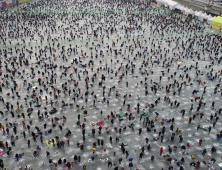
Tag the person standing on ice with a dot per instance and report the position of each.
(109, 164)
(110, 139)
(140, 131)
(141, 155)
(28, 143)
(161, 151)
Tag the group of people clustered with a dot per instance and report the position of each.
(61, 66)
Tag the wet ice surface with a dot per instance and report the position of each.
(135, 142)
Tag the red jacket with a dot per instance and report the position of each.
(161, 149)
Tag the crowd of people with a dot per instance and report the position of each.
(71, 83)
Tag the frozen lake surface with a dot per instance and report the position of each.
(129, 52)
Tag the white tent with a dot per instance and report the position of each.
(200, 18)
(178, 6)
(165, 2)
(205, 16)
(189, 11)
(170, 3)
(195, 12)
(173, 4)
(198, 14)
(182, 7)
(209, 20)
